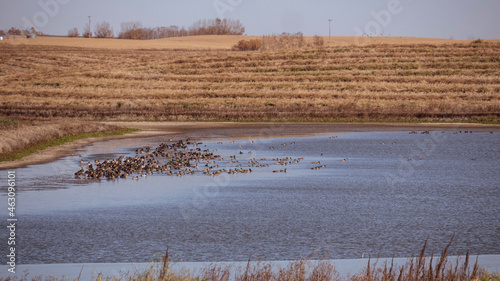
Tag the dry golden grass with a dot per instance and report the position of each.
(203, 42)
(379, 82)
(209, 42)
(16, 139)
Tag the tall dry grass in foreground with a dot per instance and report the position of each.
(421, 268)
(385, 82)
(17, 138)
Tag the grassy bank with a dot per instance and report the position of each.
(20, 139)
(376, 82)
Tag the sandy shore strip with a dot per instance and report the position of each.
(203, 130)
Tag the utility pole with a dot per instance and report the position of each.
(89, 27)
(329, 30)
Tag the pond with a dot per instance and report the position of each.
(378, 194)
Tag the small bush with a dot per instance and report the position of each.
(318, 41)
(284, 41)
(248, 45)
(73, 32)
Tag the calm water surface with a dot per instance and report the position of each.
(377, 203)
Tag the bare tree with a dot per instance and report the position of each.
(217, 27)
(14, 31)
(183, 32)
(86, 31)
(73, 32)
(103, 30)
(2, 33)
(130, 30)
(234, 27)
(34, 31)
(135, 30)
(173, 31)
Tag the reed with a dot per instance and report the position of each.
(421, 268)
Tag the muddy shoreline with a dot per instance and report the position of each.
(203, 130)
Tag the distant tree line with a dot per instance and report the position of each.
(16, 31)
(135, 30)
(101, 30)
(217, 27)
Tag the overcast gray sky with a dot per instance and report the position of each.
(460, 19)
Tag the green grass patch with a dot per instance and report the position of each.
(59, 141)
(7, 122)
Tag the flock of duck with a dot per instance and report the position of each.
(181, 158)
(186, 157)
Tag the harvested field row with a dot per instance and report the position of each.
(455, 82)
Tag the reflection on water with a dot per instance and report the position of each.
(378, 202)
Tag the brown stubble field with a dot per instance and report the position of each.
(373, 79)
(383, 82)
